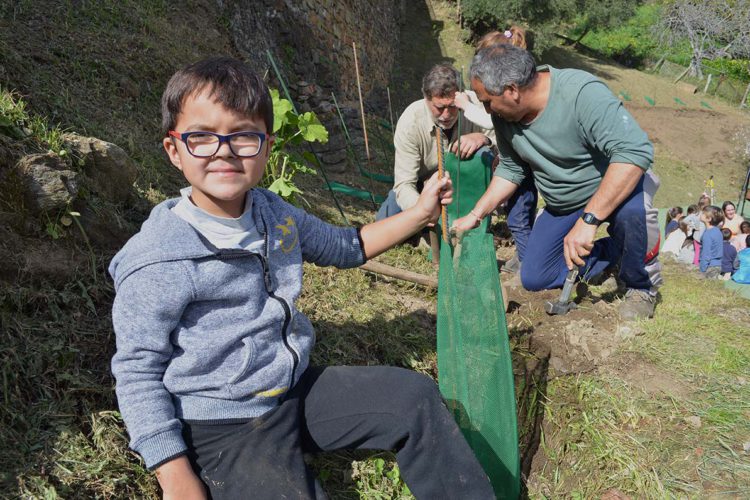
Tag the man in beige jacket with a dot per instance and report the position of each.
(416, 148)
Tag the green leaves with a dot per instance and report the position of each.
(291, 130)
(311, 128)
(284, 187)
(282, 111)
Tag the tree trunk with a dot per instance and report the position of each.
(585, 32)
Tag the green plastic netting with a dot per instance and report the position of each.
(474, 365)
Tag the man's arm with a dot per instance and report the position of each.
(407, 162)
(607, 126)
(497, 192)
(617, 184)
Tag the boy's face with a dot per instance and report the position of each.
(220, 182)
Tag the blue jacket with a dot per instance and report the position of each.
(729, 253)
(212, 335)
(712, 248)
(742, 275)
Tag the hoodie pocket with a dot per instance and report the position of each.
(248, 356)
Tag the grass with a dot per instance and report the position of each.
(604, 430)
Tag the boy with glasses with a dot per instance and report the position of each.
(212, 356)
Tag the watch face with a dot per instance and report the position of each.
(589, 218)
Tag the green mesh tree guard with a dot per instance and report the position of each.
(474, 365)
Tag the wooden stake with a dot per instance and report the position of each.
(402, 274)
(361, 103)
(390, 111)
(744, 97)
(708, 83)
(443, 218)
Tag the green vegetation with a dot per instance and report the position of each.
(631, 42)
(634, 43)
(290, 130)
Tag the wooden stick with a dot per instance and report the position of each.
(394, 272)
(744, 97)
(390, 110)
(361, 103)
(443, 218)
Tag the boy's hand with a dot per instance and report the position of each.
(461, 100)
(435, 193)
(178, 481)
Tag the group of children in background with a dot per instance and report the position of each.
(716, 240)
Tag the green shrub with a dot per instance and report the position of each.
(633, 42)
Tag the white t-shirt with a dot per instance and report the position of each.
(222, 232)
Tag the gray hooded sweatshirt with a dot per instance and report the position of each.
(210, 335)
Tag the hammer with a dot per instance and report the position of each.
(563, 304)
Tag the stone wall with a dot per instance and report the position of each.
(311, 42)
(312, 39)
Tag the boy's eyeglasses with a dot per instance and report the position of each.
(207, 144)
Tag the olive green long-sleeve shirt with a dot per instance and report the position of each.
(568, 147)
(416, 148)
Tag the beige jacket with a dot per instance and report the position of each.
(416, 148)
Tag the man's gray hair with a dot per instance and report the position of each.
(500, 66)
(441, 81)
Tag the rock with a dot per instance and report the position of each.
(694, 421)
(324, 107)
(558, 365)
(49, 183)
(614, 494)
(109, 171)
(626, 332)
(746, 447)
(333, 156)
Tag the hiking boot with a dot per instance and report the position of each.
(637, 304)
(512, 266)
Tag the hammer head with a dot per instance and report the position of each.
(556, 308)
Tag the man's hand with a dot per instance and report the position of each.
(469, 144)
(435, 193)
(466, 222)
(578, 243)
(178, 481)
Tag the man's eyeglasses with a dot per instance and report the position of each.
(207, 144)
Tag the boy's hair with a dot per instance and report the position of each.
(684, 226)
(441, 81)
(714, 215)
(692, 209)
(231, 82)
(747, 241)
(726, 233)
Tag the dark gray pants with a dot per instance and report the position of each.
(333, 408)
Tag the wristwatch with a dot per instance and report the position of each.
(590, 218)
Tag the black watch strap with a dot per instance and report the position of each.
(590, 218)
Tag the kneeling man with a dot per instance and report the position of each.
(416, 148)
(591, 163)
